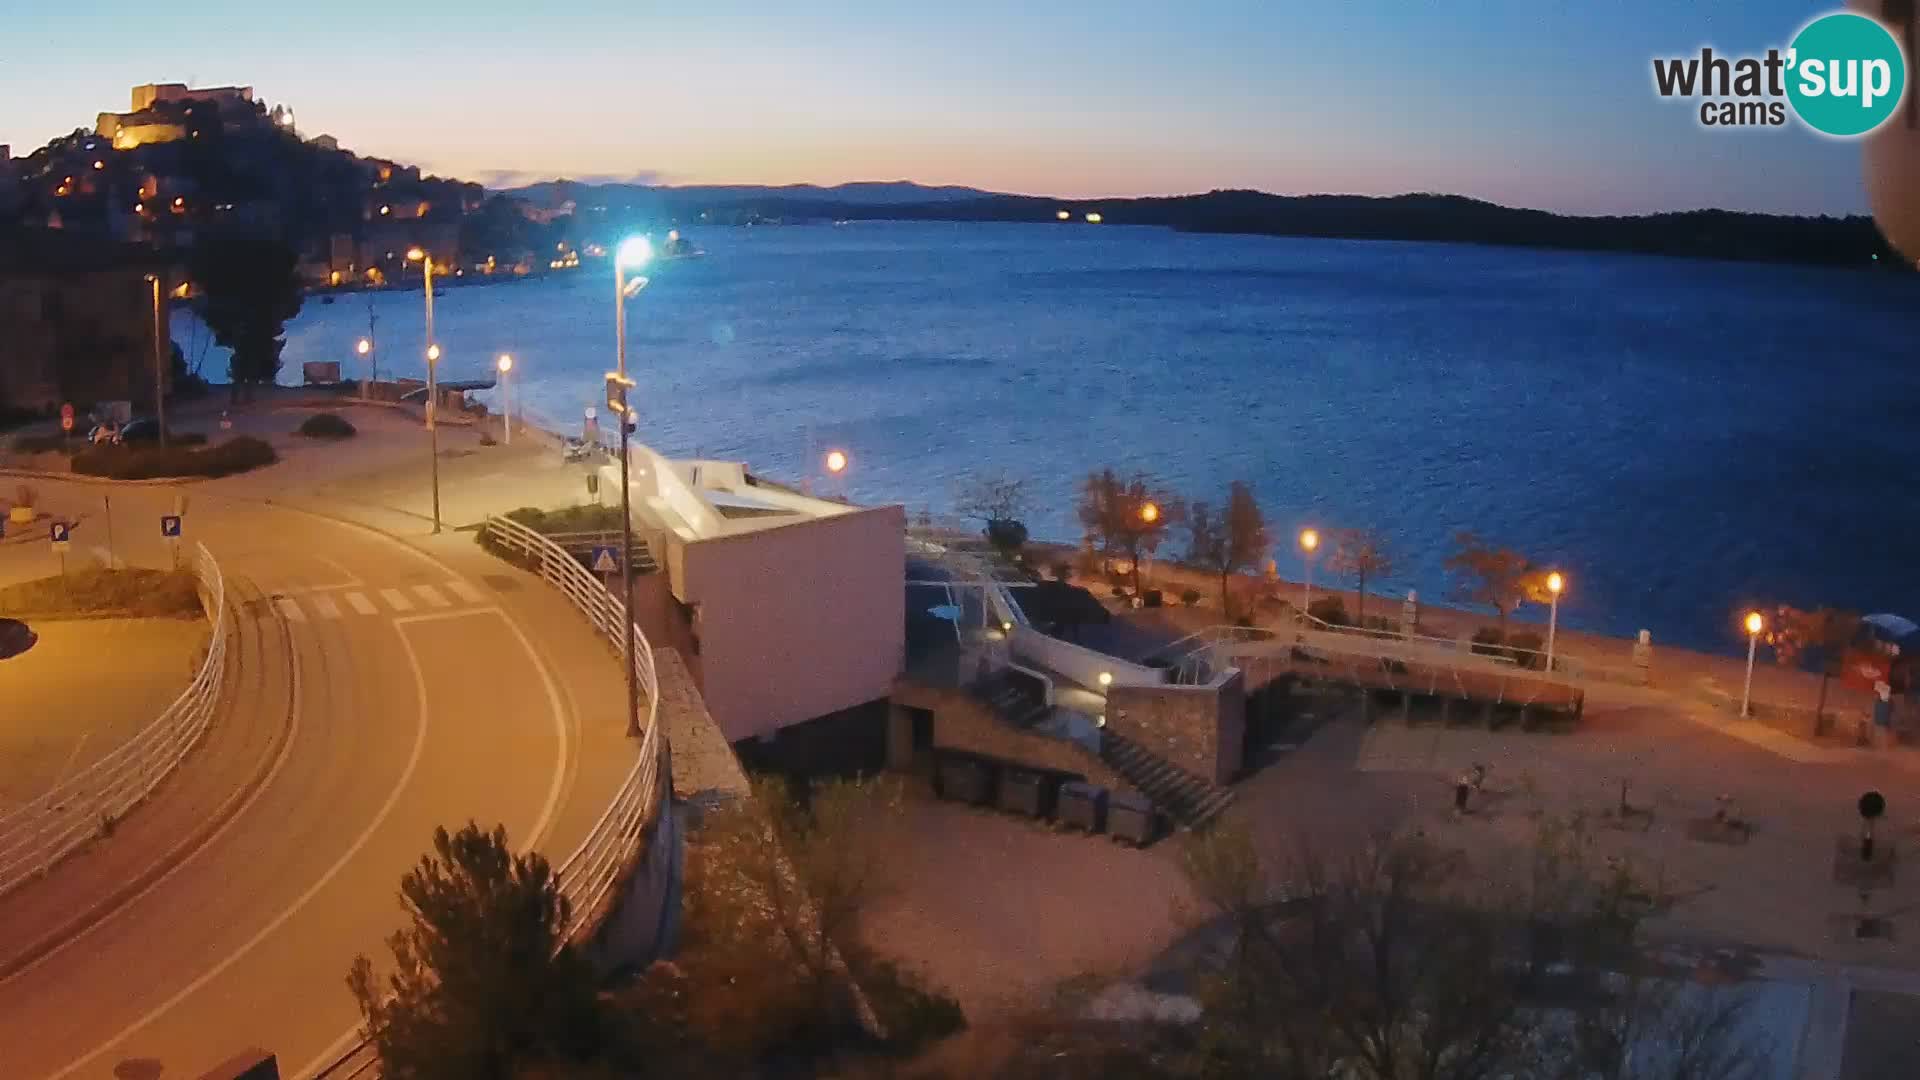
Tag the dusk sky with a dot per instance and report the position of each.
(1537, 104)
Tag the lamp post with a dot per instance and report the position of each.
(365, 348)
(1555, 583)
(1309, 545)
(1755, 623)
(1149, 515)
(837, 462)
(433, 386)
(505, 364)
(159, 371)
(632, 252)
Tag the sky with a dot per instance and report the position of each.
(1542, 104)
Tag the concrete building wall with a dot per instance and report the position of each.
(1199, 728)
(795, 621)
(962, 722)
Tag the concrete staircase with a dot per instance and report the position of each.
(1190, 801)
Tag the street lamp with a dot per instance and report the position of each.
(1755, 623)
(505, 364)
(159, 370)
(1309, 544)
(1555, 583)
(836, 462)
(1149, 513)
(633, 252)
(433, 385)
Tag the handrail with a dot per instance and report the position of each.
(593, 871)
(35, 836)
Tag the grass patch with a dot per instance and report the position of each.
(236, 455)
(327, 425)
(99, 591)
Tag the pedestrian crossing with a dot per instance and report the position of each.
(335, 604)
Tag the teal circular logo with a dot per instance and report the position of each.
(1845, 74)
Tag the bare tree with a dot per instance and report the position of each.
(1128, 518)
(1360, 554)
(1495, 577)
(1230, 543)
(1001, 503)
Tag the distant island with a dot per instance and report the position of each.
(1712, 234)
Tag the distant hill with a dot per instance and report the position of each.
(1713, 234)
(860, 193)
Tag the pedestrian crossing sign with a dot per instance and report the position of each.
(606, 559)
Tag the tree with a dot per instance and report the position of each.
(1127, 518)
(247, 290)
(1360, 554)
(482, 985)
(1001, 503)
(1495, 577)
(1820, 637)
(1227, 544)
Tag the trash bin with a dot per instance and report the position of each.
(1130, 819)
(965, 780)
(1023, 793)
(1083, 806)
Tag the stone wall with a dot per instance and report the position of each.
(962, 722)
(1197, 728)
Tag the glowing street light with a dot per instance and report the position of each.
(1755, 623)
(505, 364)
(1555, 583)
(1106, 679)
(364, 347)
(836, 462)
(425, 260)
(1150, 513)
(1063, 215)
(1309, 545)
(632, 253)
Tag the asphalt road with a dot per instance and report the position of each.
(415, 702)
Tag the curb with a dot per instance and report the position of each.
(189, 845)
(84, 478)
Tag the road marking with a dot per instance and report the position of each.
(379, 818)
(348, 580)
(325, 606)
(466, 592)
(396, 599)
(289, 609)
(432, 596)
(567, 766)
(361, 604)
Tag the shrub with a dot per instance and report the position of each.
(150, 462)
(1150, 597)
(1528, 649)
(1486, 641)
(1119, 592)
(1189, 596)
(1063, 571)
(1330, 610)
(488, 440)
(40, 444)
(913, 1014)
(326, 425)
(1006, 534)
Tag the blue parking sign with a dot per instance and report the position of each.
(58, 532)
(170, 525)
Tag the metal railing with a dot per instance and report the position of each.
(592, 873)
(86, 805)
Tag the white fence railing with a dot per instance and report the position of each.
(84, 806)
(592, 873)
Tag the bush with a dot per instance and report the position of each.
(1330, 610)
(1119, 592)
(1007, 535)
(1062, 571)
(1189, 596)
(1487, 641)
(327, 425)
(1528, 649)
(40, 444)
(913, 1014)
(1150, 597)
(236, 455)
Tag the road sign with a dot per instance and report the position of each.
(58, 533)
(606, 559)
(170, 525)
(66, 417)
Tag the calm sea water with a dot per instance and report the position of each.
(1681, 437)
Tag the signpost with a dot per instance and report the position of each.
(605, 562)
(60, 534)
(170, 529)
(66, 421)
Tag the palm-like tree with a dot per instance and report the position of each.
(1901, 12)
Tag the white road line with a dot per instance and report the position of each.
(396, 599)
(346, 575)
(466, 592)
(379, 818)
(359, 603)
(324, 605)
(432, 596)
(289, 609)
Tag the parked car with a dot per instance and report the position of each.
(141, 429)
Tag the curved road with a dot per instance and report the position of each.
(415, 702)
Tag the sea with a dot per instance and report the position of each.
(1682, 438)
